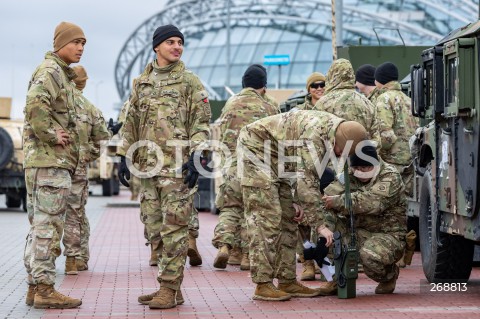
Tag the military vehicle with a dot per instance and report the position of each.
(446, 97)
(12, 178)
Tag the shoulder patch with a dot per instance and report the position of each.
(382, 188)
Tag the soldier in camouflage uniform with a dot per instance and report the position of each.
(169, 108)
(341, 99)
(396, 124)
(92, 129)
(315, 88)
(270, 209)
(241, 109)
(365, 82)
(379, 208)
(51, 148)
(155, 247)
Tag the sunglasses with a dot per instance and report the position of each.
(317, 85)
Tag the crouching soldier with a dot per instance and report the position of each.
(379, 208)
(270, 210)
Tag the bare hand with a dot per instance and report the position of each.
(329, 201)
(298, 213)
(62, 138)
(327, 233)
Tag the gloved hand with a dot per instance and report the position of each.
(114, 127)
(123, 172)
(192, 172)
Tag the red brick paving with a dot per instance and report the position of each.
(119, 273)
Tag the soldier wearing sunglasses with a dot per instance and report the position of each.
(315, 87)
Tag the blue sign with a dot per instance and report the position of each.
(276, 59)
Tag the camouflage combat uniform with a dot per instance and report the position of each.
(167, 104)
(373, 96)
(380, 223)
(341, 99)
(268, 198)
(307, 105)
(240, 110)
(396, 126)
(92, 129)
(48, 166)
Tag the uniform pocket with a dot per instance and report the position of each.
(51, 200)
(43, 243)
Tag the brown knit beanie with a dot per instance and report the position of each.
(350, 130)
(65, 33)
(315, 77)
(81, 79)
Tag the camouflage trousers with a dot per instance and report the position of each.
(231, 226)
(166, 206)
(272, 232)
(378, 252)
(407, 177)
(76, 234)
(47, 193)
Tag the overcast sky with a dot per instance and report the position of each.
(26, 34)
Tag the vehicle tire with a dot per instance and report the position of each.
(107, 187)
(24, 203)
(444, 256)
(13, 202)
(6, 148)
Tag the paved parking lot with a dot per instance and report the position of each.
(119, 273)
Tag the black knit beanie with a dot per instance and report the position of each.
(386, 72)
(366, 75)
(165, 32)
(368, 151)
(255, 77)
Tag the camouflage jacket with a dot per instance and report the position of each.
(396, 124)
(240, 110)
(316, 131)
(92, 129)
(373, 96)
(50, 107)
(341, 99)
(379, 206)
(169, 108)
(307, 105)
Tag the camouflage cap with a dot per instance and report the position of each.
(350, 130)
(81, 78)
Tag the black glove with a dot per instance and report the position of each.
(318, 253)
(114, 127)
(123, 172)
(192, 172)
(321, 251)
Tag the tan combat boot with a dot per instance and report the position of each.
(81, 264)
(145, 299)
(30, 294)
(48, 297)
(308, 272)
(153, 256)
(179, 297)
(387, 287)
(235, 256)
(222, 257)
(328, 288)
(164, 299)
(296, 289)
(267, 291)
(193, 254)
(71, 266)
(245, 263)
